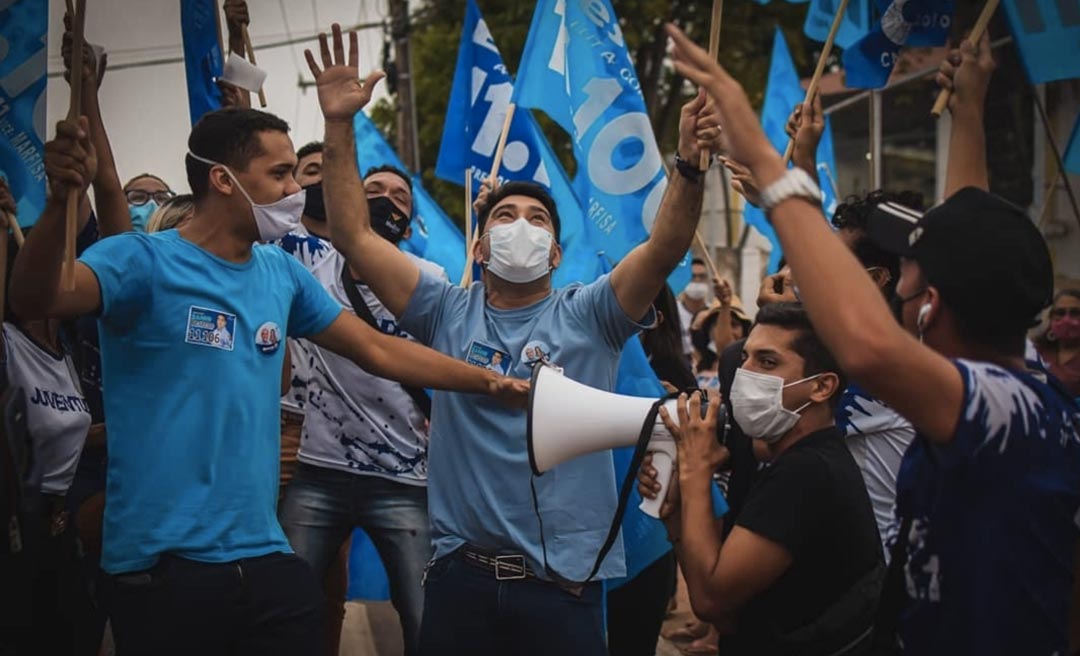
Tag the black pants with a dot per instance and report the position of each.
(43, 596)
(636, 609)
(269, 605)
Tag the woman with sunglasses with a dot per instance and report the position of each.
(145, 193)
(1059, 345)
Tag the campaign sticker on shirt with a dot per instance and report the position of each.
(488, 357)
(534, 352)
(268, 338)
(213, 328)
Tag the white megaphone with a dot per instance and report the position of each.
(568, 419)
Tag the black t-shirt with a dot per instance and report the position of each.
(813, 502)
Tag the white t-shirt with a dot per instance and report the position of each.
(355, 421)
(56, 412)
(877, 438)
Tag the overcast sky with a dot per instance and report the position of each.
(145, 108)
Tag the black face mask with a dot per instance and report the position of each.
(386, 219)
(313, 202)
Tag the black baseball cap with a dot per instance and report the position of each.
(982, 253)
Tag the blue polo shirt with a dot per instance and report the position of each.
(192, 418)
(478, 467)
(989, 562)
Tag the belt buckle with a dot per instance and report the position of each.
(515, 563)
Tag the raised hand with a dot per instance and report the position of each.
(70, 159)
(966, 72)
(341, 92)
(93, 71)
(742, 181)
(806, 125)
(745, 139)
(722, 292)
(236, 15)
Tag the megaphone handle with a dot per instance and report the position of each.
(663, 460)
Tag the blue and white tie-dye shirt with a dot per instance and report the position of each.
(993, 521)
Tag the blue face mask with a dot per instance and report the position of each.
(140, 214)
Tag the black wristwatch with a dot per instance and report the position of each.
(688, 170)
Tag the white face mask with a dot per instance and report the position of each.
(520, 251)
(274, 220)
(696, 290)
(757, 401)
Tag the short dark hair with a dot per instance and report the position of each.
(309, 148)
(697, 260)
(229, 136)
(817, 359)
(854, 215)
(389, 168)
(147, 175)
(518, 188)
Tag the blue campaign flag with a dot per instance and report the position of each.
(23, 27)
(1072, 152)
(1047, 34)
(479, 101)
(783, 94)
(434, 236)
(869, 61)
(576, 68)
(854, 26)
(202, 55)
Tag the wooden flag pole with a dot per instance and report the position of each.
(466, 275)
(826, 50)
(251, 58)
(714, 52)
(13, 223)
(497, 162)
(74, 111)
(713, 272)
(973, 38)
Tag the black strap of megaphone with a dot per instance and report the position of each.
(624, 497)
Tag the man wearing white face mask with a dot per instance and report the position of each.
(692, 300)
(191, 322)
(508, 575)
(801, 571)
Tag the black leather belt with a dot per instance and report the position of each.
(505, 567)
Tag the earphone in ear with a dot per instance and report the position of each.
(924, 311)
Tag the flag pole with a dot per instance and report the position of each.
(466, 275)
(251, 58)
(826, 50)
(74, 111)
(708, 258)
(497, 162)
(973, 38)
(714, 51)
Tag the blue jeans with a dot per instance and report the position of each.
(467, 611)
(322, 506)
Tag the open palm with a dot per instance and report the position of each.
(341, 92)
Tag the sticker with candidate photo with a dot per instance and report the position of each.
(488, 357)
(213, 328)
(268, 338)
(534, 352)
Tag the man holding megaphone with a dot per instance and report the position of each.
(801, 571)
(512, 554)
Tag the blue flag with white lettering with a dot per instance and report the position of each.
(783, 94)
(479, 99)
(576, 68)
(23, 28)
(870, 60)
(1072, 152)
(1047, 34)
(202, 55)
(854, 26)
(434, 236)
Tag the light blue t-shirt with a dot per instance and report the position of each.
(192, 417)
(478, 463)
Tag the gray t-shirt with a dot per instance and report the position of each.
(478, 483)
(56, 411)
